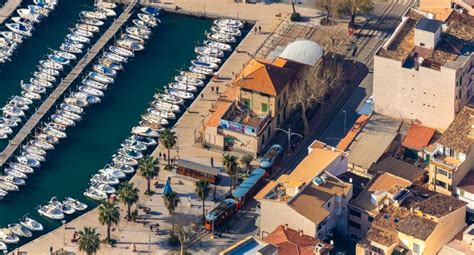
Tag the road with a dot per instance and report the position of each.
(381, 23)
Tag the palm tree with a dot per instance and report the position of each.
(230, 164)
(171, 202)
(109, 214)
(168, 139)
(89, 240)
(148, 168)
(202, 190)
(246, 161)
(128, 194)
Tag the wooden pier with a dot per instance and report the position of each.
(8, 8)
(64, 85)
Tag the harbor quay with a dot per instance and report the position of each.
(7, 9)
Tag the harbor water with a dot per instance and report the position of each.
(92, 142)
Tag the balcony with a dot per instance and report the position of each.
(446, 162)
(239, 118)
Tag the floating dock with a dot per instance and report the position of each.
(65, 84)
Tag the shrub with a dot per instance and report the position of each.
(295, 16)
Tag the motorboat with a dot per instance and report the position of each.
(52, 212)
(62, 120)
(15, 173)
(208, 51)
(234, 23)
(5, 131)
(106, 11)
(181, 94)
(33, 88)
(91, 91)
(51, 64)
(94, 84)
(130, 45)
(78, 38)
(42, 145)
(8, 122)
(56, 126)
(27, 14)
(167, 98)
(226, 30)
(41, 83)
(148, 19)
(127, 36)
(20, 230)
(87, 97)
(7, 186)
(162, 114)
(43, 76)
(148, 141)
(71, 108)
(100, 77)
(59, 59)
(53, 132)
(151, 10)
(116, 173)
(13, 180)
(116, 58)
(12, 111)
(193, 75)
(154, 120)
(92, 22)
(13, 36)
(94, 15)
(102, 187)
(75, 204)
(130, 153)
(25, 161)
(95, 194)
(20, 29)
(36, 9)
(209, 59)
(181, 86)
(3, 193)
(69, 115)
(140, 23)
(48, 71)
(31, 224)
(50, 4)
(124, 168)
(76, 101)
(33, 156)
(106, 5)
(121, 51)
(23, 21)
(65, 55)
(83, 33)
(8, 237)
(34, 150)
(135, 145)
(47, 138)
(145, 131)
(31, 95)
(222, 38)
(3, 246)
(201, 70)
(67, 47)
(105, 178)
(87, 27)
(110, 64)
(23, 107)
(202, 64)
(138, 32)
(67, 209)
(218, 45)
(104, 70)
(124, 161)
(21, 100)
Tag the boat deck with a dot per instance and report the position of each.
(65, 84)
(8, 8)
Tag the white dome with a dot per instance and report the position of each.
(303, 51)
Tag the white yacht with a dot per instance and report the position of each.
(95, 194)
(21, 167)
(25, 161)
(94, 15)
(33, 88)
(94, 84)
(105, 178)
(91, 91)
(208, 51)
(205, 64)
(183, 87)
(167, 98)
(165, 106)
(101, 78)
(42, 83)
(33, 156)
(102, 187)
(51, 64)
(92, 21)
(71, 108)
(19, 230)
(15, 173)
(34, 150)
(209, 59)
(123, 160)
(31, 224)
(148, 19)
(121, 51)
(13, 180)
(20, 29)
(148, 141)
(75, 204)
(62, 120)
(226, 30)
(65, 55)
(87, 27)
(181, 94)
(69, 115)
(229, 23)
(133, 144)
(51, 211)
(201, 70)
(130, 153)
(8, 237)
(104, 70)
(42, 144)
(116, 173)
(7, 186)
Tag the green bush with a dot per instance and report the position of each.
(295, 16)
(325, 22)
(173, 239)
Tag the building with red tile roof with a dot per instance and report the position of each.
(290, 241)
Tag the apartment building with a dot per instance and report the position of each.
(424, 72)
(452, 156)
(311, 198)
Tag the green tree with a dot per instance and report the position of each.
(128, 194)
(89, 240)
(230, 164)
(246, 161)
(171, 201)
(354, 8)
(149, 169)
(202, 190)
(168, 139)
(109, 214)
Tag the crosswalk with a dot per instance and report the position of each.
(402, 2)
(377, 34)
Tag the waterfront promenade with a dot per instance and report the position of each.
(8, 8)
(25, 131)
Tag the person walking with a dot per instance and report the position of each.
(212, 89)
(217, 90)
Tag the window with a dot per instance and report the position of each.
(329, 204)
(354, 224)
(355, 213)
(264, 107)
(278, 103)
(443, 172)
(247, 102)
(371, 218)
(422, 44)
(416, 248)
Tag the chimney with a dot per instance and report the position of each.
(286, 226)
(350, 180)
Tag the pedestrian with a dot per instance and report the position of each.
(212, 161)
(189, 200)
(164, 156)
(255, 30)
(134, 249)
(212, 89)
(202, 95)
(259, 29)
(217, 90)
(160, 155)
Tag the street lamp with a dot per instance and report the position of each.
(293, 2)
(64, 232)
(289, 134)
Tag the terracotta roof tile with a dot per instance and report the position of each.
(418, 136)
(457, 136)
(417, 227)
(347, 140)
(290, 241)
(219, 109)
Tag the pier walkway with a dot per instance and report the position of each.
(8, 8)
(65, 83)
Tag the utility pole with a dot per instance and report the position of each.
(289, 134)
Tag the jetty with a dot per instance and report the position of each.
(43, 109)
(8, 8)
